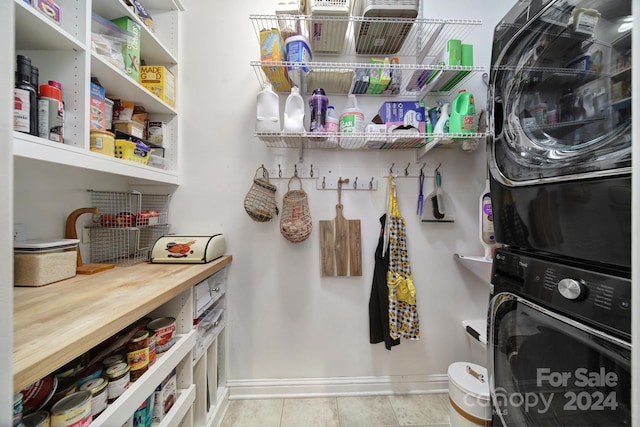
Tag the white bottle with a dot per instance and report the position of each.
(332, 125)
(268, 110)
(442, 125)
(487, 235)
(294, 112)
(352, 118)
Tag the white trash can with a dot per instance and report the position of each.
(469, 404)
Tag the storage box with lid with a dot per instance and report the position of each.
(41, 262)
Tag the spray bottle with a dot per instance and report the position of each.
(487, 235)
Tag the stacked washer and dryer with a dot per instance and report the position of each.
(559, 334)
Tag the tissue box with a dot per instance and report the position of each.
(403, 115)
(160, 81)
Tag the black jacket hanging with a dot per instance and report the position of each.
(379, 301)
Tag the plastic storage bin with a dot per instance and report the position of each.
(132, 151)
(40, 262)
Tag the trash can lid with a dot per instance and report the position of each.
(470, 378)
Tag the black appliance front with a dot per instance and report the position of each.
(559, 343)
(560, 120)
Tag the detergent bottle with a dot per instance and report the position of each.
(268, 110)
(294, 112)
(332, 125)
(352, 118)
(463, 114)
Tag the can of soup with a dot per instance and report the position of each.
(72, 411)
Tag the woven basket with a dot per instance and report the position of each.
(295, 222)
(260, 201)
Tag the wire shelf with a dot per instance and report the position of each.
(418, 55)
(360, 140)
(126, 226)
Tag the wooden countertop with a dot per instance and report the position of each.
(56, 323)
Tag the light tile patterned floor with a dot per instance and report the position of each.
(368, 411)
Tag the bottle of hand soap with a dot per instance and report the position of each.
(294, 112)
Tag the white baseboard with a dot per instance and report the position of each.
(335, 387)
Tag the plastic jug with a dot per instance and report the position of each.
(318, 103)
(463, 114)
(332, 125)
(352, 118)
(442, 125)
(294, 112)
(268, 110)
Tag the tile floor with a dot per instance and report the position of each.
(367, 411)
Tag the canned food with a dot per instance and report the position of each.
(38, 394)
(138, 355)
(118, 376)
(165, 328)
(37, 419)
(114, 359)
(17, 409)
(98, 389)
(152, 347)
(65, 386)
(72, 411)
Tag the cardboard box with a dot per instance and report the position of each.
(160, 81)
(164, 397)
(134, 129)
(131, 49)
(272, 49)
(122, 110)
(380, 76)
(402, 115)
(97, 108)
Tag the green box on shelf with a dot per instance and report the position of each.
(130, 49)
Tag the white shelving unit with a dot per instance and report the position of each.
(64, 53)
(418, 57)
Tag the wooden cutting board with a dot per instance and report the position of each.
(340, 246)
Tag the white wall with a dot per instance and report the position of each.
(284, 320)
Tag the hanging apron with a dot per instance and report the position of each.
(379, 300)
(403, 312)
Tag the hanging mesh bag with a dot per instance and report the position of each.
(260, 201)
(295, 222)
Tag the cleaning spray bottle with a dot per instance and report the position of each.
(487, 235)
(442, 125)
(352, 118)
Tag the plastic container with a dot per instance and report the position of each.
(469, 404)
(332, 125)
(463, 114)
(138, 152)
(268, 110)
(487, 235)
(442, 125)
(294, 112)
(102, 142)
(297, 51)
(318, 103)
(40, 262)
(352, 118)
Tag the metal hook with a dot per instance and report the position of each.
(391, 169)
(438, 167)
(406, 170)
(422, 168)
(279, 171)
(264, 171)
(295, 169)
(311, 172)
(323, 182)
(371, 184)
(355, 184)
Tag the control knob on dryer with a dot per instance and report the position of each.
(570, 289)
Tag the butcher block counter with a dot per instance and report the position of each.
(56, 323)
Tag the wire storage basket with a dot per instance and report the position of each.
(126, 226)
